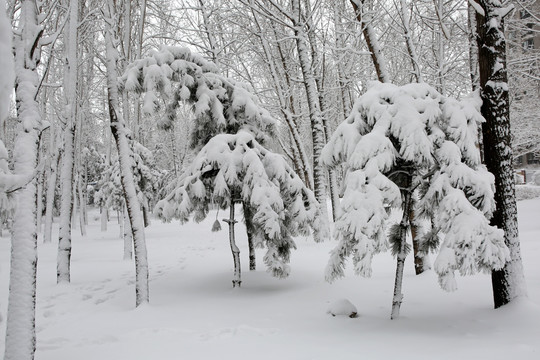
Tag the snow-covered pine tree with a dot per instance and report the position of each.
(396, 140)
(236, 168)
(110, 193)
(220, 104)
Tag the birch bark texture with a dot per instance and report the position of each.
(119, 130)
(21, 332)
(63, 265)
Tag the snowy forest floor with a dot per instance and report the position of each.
(194, 313)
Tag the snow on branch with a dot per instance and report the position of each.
(392, 130)
(238, 166)
(220, 105)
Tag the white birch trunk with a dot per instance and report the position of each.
(128, 238)
(51, 190)
(317, 129)
(39, 199)
(103, 210)
(82, 205)
(126, 172)
(66, 176)
(372, 41)
(20, 326)
(318, 73)
(402, 254)
(302, 158)
(237, 275)
(411, 48)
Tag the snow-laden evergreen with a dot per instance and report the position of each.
(238, 166)
(109, 193)
(220, 104)
(396, 140)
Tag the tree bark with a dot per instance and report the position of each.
(411, 49)
(128, 238)
(66, 177)
(118, 130)
(508, 283)
(402, 254)
(317, 128)
(21, 325)
(250, 230)
(372, 42)
(237, 276)
(103, 211)
(51, 190)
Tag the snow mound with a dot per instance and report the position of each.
(342, 307)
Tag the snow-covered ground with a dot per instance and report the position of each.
(194, 313)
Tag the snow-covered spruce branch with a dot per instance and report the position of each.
(238, 164)
(414, 129)
(220, 104)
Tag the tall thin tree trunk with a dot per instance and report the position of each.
(118, 130)
(39, 199)
(51, 191)
(473, 47)
(509, 282)
(372, 42)
(411, 49)
(286, 103)
(128, 238)
(402, 253)
(67, 179)
(82, 205)
(104, 217)
(237, 276)
(250, 229)
(317, 127)
(318, 73)
(20, 325)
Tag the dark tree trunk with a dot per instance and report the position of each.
(405, 182)
(250, 230)
(508, 283)
(419, 264)
(372, 42)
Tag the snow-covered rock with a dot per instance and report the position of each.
(342, 307)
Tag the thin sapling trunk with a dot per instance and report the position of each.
(234, 249)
